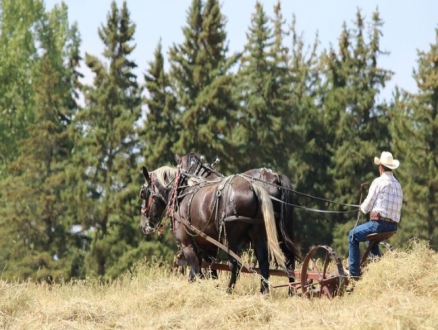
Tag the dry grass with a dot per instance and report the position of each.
(398, 292)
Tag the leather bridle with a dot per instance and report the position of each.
(148, 193)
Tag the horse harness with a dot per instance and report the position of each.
(226, 182)
(154, 191)
(221, 192)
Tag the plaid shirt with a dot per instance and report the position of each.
(385, 196)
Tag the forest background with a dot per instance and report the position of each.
(71, 152)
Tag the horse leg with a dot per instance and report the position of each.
(209, 273)
(193, 260)
(290, 267)
(234, 269)
(187, 246)
(212, 272)
(236, 231)
(260, 247)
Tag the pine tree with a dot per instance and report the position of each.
(35, 226)
(414, 128)
(107, 150)
(200, 72)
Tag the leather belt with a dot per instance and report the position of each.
(387, 220)
(375, 216)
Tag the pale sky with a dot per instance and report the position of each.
(409, 26)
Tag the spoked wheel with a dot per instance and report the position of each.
(327, 277)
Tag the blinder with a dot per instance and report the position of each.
(147, 194)
(154, 193)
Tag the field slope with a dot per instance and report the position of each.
(398, 292)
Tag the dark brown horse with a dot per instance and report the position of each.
(227, 210)
(277, 185)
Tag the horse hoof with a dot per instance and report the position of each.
(292, 292)
(264, 291)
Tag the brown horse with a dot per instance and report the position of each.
(227, 210)
(278, 187)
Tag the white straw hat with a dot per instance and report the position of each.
(387, 160)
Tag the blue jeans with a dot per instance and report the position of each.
(359, 234)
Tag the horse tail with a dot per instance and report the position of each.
(287, 216)
(274, 249)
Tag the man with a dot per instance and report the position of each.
(384, 200)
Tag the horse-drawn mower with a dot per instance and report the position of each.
(210, 212)
(322, 270)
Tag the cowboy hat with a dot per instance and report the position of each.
(387, 160)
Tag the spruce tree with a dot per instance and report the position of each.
(306, 139)
(34, 221)
(200, 73)
(105, 168)
(257, 90)
(160, 127)
(282, 111)
(356, 121)
(18, 58)
(266, 117)
(414, 128)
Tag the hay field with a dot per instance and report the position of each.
(398, 292)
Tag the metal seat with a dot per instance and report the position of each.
(375, 238)
(380, 236)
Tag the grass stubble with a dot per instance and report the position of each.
(397, 292)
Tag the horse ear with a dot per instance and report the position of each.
(177, 159)
(146, 175)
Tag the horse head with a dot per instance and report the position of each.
(155, 195)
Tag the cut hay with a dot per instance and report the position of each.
(397, 292)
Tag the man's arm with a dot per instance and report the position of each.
(368, 203)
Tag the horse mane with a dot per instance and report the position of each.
(193, 181)
(165, 174)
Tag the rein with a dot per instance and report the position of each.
(173, 199)
(300, 193)
(358, 213)
(209, 168)
(280, 201)
(311, 209)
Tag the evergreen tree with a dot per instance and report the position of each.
(306, 139)
(18, 58)
(200, 72)
(159, 135)
(255, 129)
(282, 111)
(107, 150)
(414, 127)
(265, 117)
(160, 126)
(357, 123)
(34, 221)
